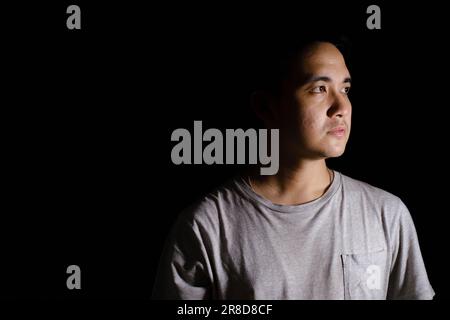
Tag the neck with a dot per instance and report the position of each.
(298, 183)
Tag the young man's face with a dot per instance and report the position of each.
(315, 112)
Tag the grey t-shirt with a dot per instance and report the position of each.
(354, 242)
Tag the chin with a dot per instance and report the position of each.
(336, 155)
(335, 152)
(327, 150)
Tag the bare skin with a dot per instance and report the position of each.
(314, 118)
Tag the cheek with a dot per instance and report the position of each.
(305, 118)
(311, 122)
(311, 114)
(348, 121)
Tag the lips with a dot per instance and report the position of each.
(338, 131)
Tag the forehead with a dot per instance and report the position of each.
(321, 59)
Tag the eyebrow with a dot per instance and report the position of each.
(311, 78)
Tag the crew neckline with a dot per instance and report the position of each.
(248, 191)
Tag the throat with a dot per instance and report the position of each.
(292, 192)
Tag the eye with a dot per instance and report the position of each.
(346, 90)
(319, 89)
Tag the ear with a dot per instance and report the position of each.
(262, 105)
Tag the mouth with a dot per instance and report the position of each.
(338, 132)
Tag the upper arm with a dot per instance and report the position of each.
(408, 278)
(183, 269)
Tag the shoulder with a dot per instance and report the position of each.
(209, 210)
(376, 207)
(357, 189)
(387, 206)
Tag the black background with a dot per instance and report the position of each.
(87, 117)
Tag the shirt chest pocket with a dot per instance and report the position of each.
(365, 275)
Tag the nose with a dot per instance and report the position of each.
(340, 105)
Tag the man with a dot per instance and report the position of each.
(307, 232)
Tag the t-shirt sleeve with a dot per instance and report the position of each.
(182, 272)
(408, 278)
